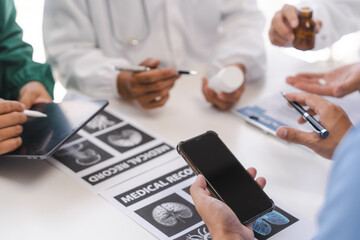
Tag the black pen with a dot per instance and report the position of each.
(318, 128)
(146, 69)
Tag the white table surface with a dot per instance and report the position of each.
(38, 201)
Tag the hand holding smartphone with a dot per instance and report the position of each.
(226, 178)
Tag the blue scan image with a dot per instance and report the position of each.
(262, 226)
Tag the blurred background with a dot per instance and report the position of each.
(346, 50)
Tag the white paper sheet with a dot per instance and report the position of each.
(111, 149)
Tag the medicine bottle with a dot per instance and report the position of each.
(305, 32)
(228, 80)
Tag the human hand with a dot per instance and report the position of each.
(222, 100)
(337, 83)
(283, 24)
(150, 89)
(218, 217)
(332, 117)
(33, 93)
(11, 118)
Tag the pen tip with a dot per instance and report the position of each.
(282, 93)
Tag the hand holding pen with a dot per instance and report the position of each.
(331, 117)
(149, 88)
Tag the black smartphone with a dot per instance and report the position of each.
(226, 178)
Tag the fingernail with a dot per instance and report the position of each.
(23, 106)
(294, 23)
(282, 133)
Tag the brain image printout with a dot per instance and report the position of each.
(170, 215)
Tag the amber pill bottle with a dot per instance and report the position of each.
(305, 32)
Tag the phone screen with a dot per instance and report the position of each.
(226, 176)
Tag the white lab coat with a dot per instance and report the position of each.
(82, 39)
(339, 17)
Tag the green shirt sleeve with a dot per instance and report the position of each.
(16, 65)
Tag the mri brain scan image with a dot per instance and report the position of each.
(100, 122)
(82, 155)
(170, 213)
(126, 138)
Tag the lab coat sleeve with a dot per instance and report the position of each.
(73, 52)
(240, 38)
(339, 17)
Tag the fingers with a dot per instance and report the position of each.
(252, 171)
(305, 77)
(301, 120)
(261, 181)
(141, 89)
(156, 75)
(290, 14)
(211, 97)
(295, 136)
(222, 101)
(318, 24)
(310, 83)
(32, 93)
(282, 25)
(231, 97)
(10, 145)
(198, 190)
(10, 132)
(315, 102)
(154, 100)
(278, 39)
(157, 103)
(311, 86)
(11, 106)
(27, 98)
(12, 119)
(150, 62)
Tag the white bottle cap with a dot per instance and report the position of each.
(228, 80)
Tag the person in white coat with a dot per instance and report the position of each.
(86, 39)
(334, 19)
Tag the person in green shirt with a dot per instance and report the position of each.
(22, 81)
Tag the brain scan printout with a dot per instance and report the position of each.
(170, 215)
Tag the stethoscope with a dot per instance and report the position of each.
(131, 41)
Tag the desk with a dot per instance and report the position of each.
(38, 201)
